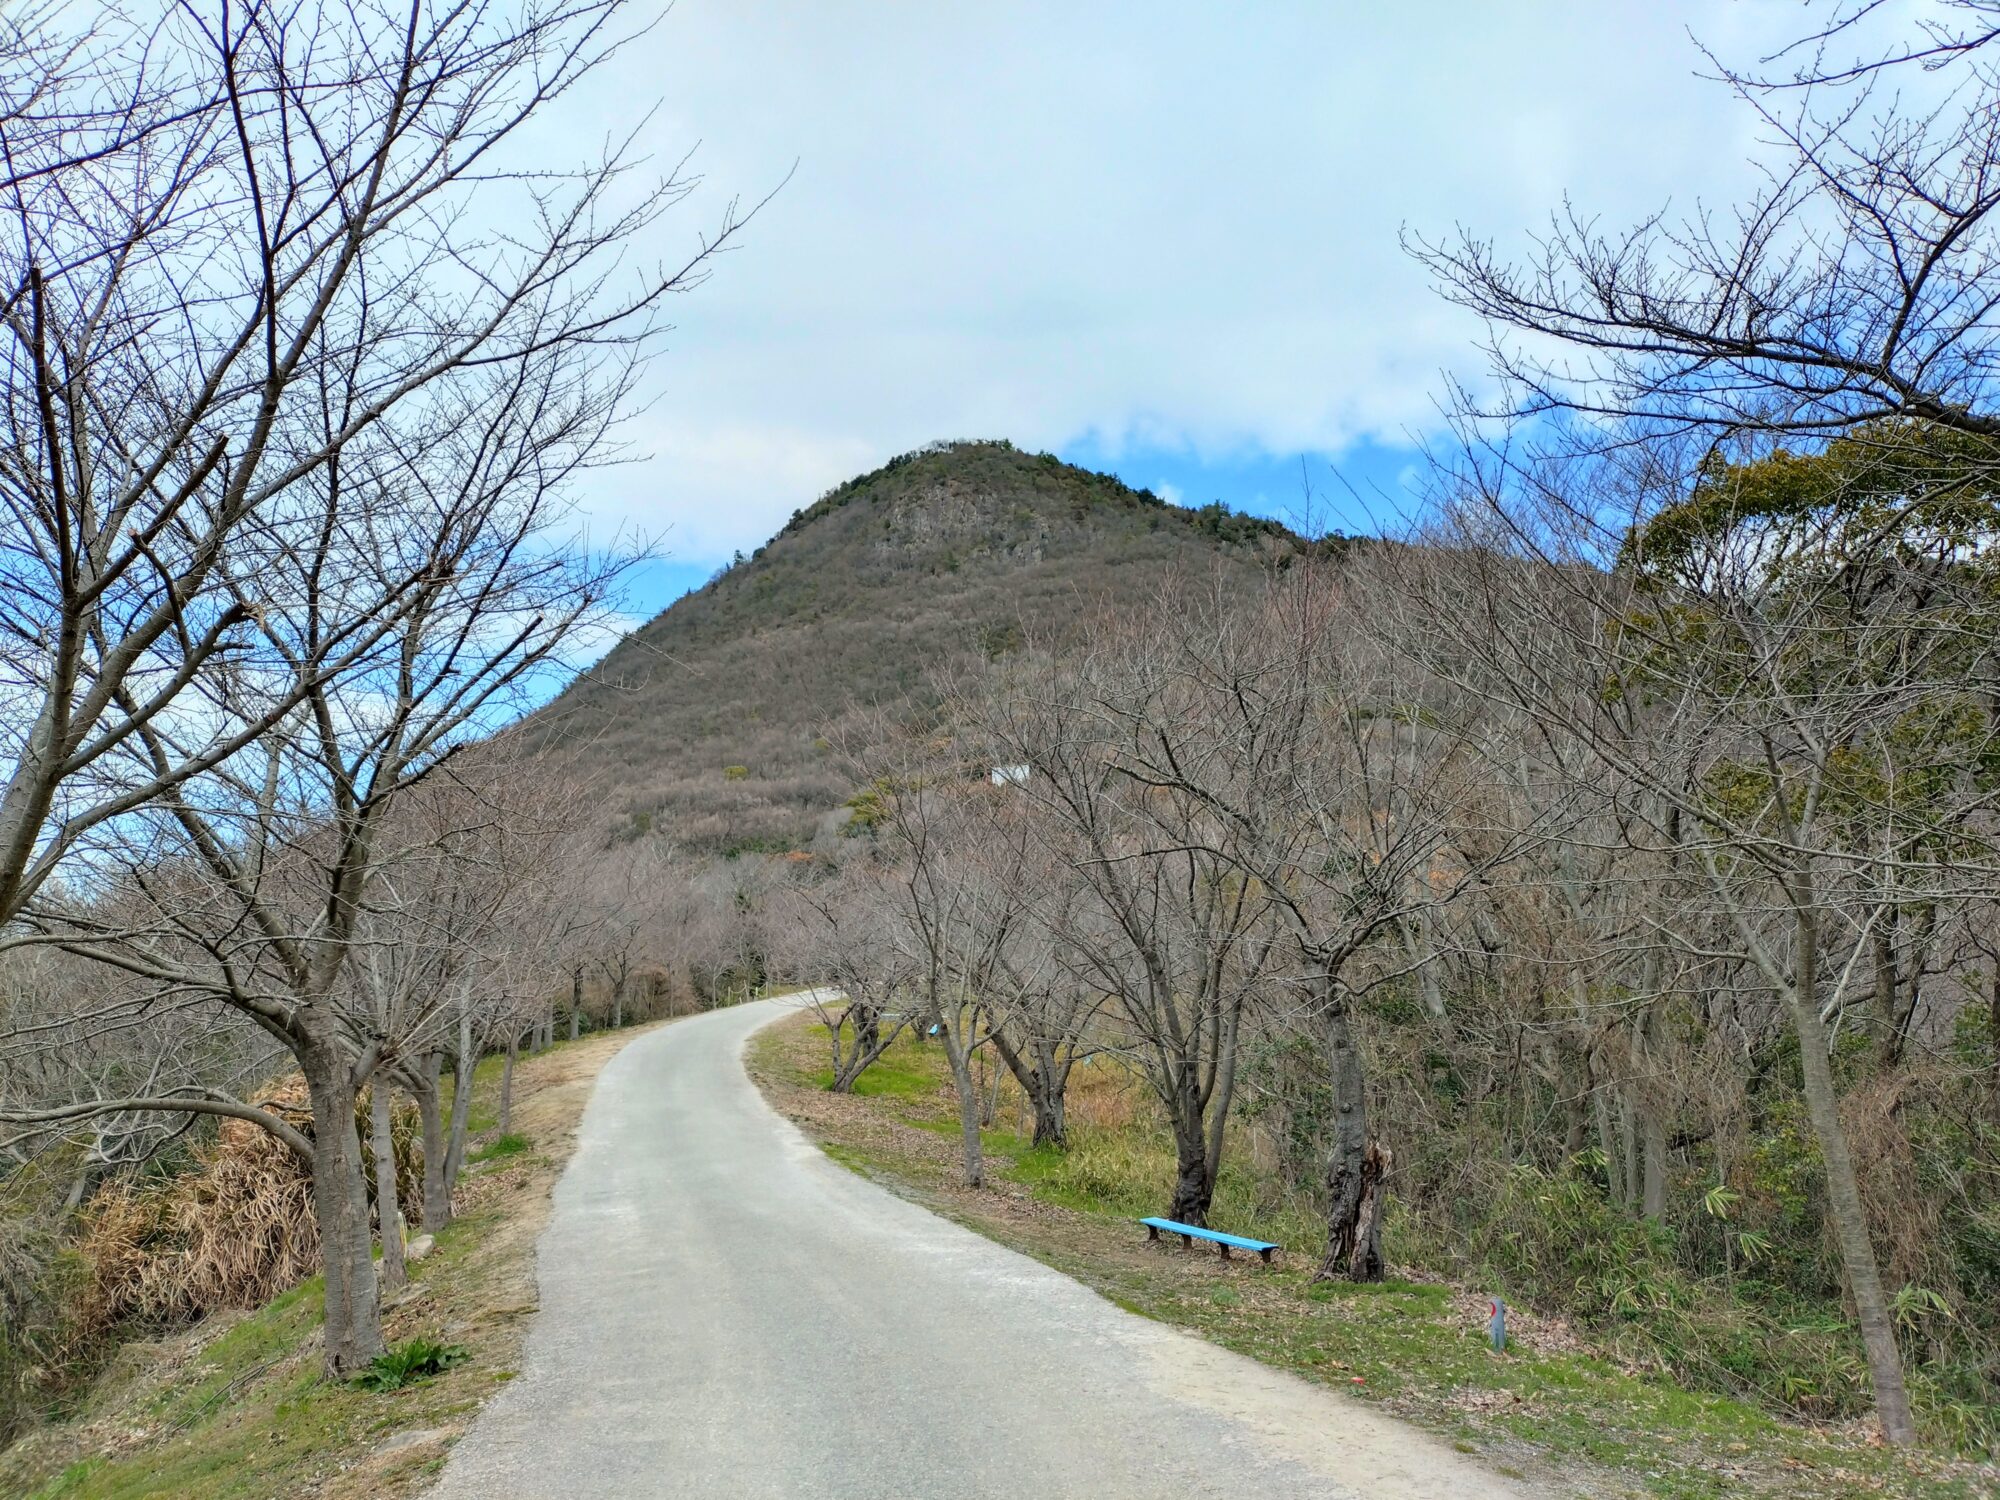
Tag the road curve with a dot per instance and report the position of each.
(727, 1313)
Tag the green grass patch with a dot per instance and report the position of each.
(510, 1144)
(908, 1070)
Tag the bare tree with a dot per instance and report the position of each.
(294, 497)
(1852, 289)
(840, 933)
(209, 328)
(1170, 928)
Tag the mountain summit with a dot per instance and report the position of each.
(709, 720)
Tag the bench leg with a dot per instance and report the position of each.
(1265, 1255)
(1152, 1231)
(1223, 1248)
(1187, 1242)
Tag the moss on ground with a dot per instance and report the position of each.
(1554, 1408)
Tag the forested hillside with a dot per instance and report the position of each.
(713, 719)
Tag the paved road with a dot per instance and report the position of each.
(726, 1313)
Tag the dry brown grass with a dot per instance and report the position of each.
(233, 1230)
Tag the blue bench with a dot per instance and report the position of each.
(1189, 1233)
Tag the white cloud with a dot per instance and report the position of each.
(1171, 493)
(1161, 226)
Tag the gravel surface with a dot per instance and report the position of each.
(727, 1313)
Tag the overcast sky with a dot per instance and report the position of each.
(1155, 238)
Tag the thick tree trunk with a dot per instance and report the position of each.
(1048, 1098)
(353, 1326)
(1843, 1194)
(388, 1210)
(1355, 1165)
(507, 1085)
(1222, 1090)
(436, 1212)
(1576, 1113)
(1194, 1186)
(1051, 1122)
(1043, 1083)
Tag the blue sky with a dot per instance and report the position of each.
(1155, 237)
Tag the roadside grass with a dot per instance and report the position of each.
(511, 1144)
(1554, 1409)
(237, 1408)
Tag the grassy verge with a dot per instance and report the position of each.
(237, 1408)
(1554, 1409)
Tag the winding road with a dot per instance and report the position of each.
(726, 1313)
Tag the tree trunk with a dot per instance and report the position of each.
(1628, 1141)
(1576, 1115)
(1653, 1136)
(1043, 1083)
(1355, 1164)
(507, 1085)
(353, 1327)
(1993, 1029)
(461, 1108)
(388, 1210)
(1607, 1146)
(968, 1104)
(618, 1004)
(1843, 1194)
(862, 1025)
(1051, 1080)
(1051, 1124)
(1194, 1187)
(1366, 1262)
(990, 1101)
(1888, 993)
(1222, 1089)
(436, 1211)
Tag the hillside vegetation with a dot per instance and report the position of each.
(712, 719)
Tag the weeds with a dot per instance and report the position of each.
(418, 1359)
(511, 1144)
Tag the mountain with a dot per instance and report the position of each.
(709, 722)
